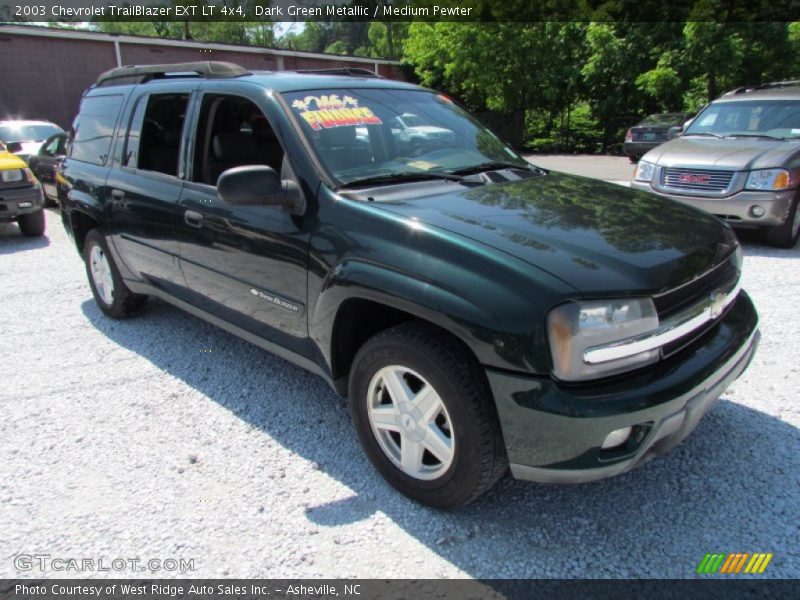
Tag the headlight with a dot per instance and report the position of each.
(644, 171)
(768, 179)
(575, 327)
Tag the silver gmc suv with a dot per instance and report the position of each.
(739, 159)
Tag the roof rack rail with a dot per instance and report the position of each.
(779, 84)
(347, 71)
(143, 73)
(739, 90)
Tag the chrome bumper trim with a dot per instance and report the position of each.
(671, 330)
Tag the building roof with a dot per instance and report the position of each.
(86, 34)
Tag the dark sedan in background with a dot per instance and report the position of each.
(45, 162)
(651, 132)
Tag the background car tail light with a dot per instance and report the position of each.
(629, 135)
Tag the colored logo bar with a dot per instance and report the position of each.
(734, 563)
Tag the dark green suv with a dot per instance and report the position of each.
(480, 313)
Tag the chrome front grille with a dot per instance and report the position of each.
(704, 180)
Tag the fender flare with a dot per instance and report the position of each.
(424, 299)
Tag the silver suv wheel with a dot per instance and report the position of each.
(410, 422)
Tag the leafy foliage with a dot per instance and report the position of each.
(581, 85)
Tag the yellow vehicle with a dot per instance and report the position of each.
(21, 197)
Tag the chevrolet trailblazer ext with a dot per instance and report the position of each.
(480, 313)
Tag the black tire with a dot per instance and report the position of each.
(124, 303)
(479, 457)
(633, 159)
(32, 224)
(785, 235)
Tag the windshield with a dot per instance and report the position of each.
(769, 118)
(356, 134)
(664, 119)
(27, 133)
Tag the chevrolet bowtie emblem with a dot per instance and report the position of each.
(717, 304)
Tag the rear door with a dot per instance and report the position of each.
(145, 184)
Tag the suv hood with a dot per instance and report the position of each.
(739, 154)
(602, 239)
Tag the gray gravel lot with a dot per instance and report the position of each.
(607, 168)
(163, 436)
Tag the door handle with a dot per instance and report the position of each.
(117, 195)
(195, 219)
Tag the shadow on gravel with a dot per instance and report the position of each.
(753, 243)
(731, 487)
(11, 240)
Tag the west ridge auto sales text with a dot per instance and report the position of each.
(172, 590)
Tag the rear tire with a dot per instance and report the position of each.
(32, 224)
(633, 159)
(109, 290)
(425, 416)
(787, 234)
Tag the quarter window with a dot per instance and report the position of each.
(93, 128)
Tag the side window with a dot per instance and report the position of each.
(52, 145)
(93, 128)
(130, 155)
(232, 132)
(154, 136)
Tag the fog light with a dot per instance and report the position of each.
(24, 204)
(616, 438)
(757, 211)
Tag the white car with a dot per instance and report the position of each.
(24, 138)
(412, 130)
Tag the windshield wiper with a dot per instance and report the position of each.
(487, 166)
(402, 177)
(757, 135)
(706, 134)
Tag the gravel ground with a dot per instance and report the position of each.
(607, 168)
(163, 436)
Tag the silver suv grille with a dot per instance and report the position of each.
(709, 180)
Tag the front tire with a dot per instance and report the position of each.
(32, 224)
(425, 416)
(109, 290)
(787, 234)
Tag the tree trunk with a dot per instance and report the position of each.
(711, 85)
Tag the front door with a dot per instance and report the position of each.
(244, 264)
(47, 161)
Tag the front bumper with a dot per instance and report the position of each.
(735, 209)
(554, 432)
(11, 199)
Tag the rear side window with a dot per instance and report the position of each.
(93, 128)
(154, 136)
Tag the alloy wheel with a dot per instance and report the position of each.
(410, 422)
(101, 274)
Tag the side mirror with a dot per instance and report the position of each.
(674, 132)
(14, 147)
(259, 185)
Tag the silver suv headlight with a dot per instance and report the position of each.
(768, 179)
(644, 171)
(575, 327)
